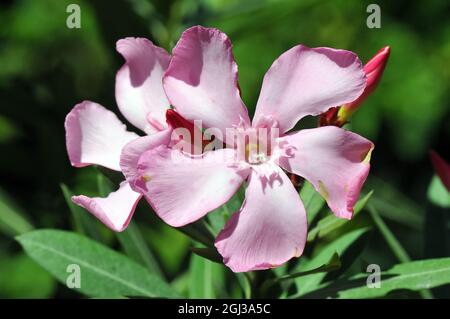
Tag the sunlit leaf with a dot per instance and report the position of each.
(312, 201)
(333, 264)
(206, 278)
(415, 275)
(104, 272)
(340, 245)
(218, 217)
(331, 222)
(136, 248)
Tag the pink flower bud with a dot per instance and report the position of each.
(374, 70)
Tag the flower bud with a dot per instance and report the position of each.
(374, 70)
(175, 121)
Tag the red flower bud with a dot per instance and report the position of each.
(175, 120)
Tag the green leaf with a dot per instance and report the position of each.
(104, 184)
(331, 222)
(437, 193)
(218, 217)
(415, 275)
(395, 246)
(245, 284)
(312, 200)
(104, 272)
(333, 263)
(205, 278)
(136, 248)
(12, 221)
(159, 235)
(392, 242)
(394, 205)
(181, 283)
(339, 246)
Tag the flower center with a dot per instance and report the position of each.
(255, 154)
(254, 145)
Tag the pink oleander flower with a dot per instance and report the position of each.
(201, 83)
(94, 135)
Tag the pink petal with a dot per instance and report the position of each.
(270, 227)
(182, 189)
(334, 160)
(202, 82)
(116, 210)
(139, 91)
(305, 81)
(132, 152)
(94, 135)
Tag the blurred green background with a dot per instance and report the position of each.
(46, 68)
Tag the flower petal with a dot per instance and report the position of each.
(334, 160)
(139, 91)
(182, 189)
(202, 82)
(270, 227)
(116, 210)
(305, 81)
(131, 153)
(94, 135)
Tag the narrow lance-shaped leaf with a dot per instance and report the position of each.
(103, 272)
(415, 276)
(206, 278)
(218, 217)
(393, 243)
(340, 245)
(312, 200)
(131, 238)
(332, 264)
(331, 222)
(136, 248)
(394, 205)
